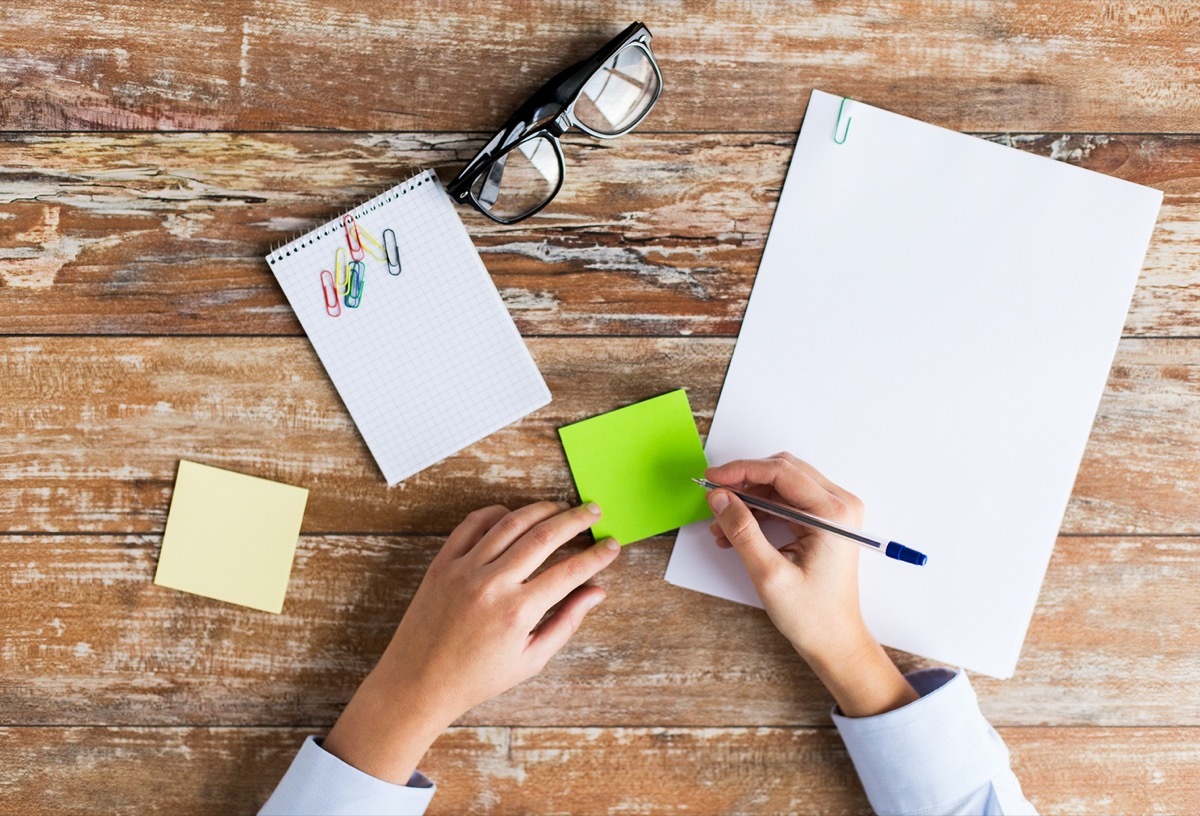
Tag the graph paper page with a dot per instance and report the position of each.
(430, 361)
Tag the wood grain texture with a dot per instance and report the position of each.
(651, 235)
(92, 430)
(1072, 65)
(1117, 620)
(121, 697)
(226, 771)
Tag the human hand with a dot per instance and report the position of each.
(474, 629)
(809, 586)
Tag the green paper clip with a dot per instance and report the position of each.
(358, 271)
(838, 125)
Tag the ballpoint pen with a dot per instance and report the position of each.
(892, 549)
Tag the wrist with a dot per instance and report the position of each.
(839, 656)
(862, 679)
(385, 730)
(835, 644)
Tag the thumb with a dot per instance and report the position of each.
(743, 532)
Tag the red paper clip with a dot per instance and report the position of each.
(333, 306)
(353, 239)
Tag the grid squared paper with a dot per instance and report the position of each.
(430, 362)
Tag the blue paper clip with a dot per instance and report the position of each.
(392, 251)
(358, 271)
(332, 307)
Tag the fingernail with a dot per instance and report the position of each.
(564, 505)
(718, 500)
(612, 544)
(594, 601)
(593, 508)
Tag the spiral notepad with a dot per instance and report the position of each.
(428, 361)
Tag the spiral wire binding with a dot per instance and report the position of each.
(278, 252)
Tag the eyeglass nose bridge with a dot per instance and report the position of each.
(560, 125)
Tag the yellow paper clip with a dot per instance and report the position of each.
(373, 247)
(341, 274)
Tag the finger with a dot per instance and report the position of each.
(817, 476)
(467, 534)
(744, 534)
(759, 516)
(563, 578)
(511, 527)
(791, 483)
(533, 548)
(556, 630)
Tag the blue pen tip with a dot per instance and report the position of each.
(901, 553)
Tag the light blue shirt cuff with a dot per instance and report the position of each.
(320, 784)
(935, 755)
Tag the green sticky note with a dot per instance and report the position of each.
(638, 463)
(230, 536)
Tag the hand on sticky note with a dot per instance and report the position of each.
(476, 627)
(638, 463)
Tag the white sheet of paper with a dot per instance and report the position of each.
(932, 327)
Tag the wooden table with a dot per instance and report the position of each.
(153, 152)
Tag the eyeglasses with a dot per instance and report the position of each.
(521, 169)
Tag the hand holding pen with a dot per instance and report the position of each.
(809, 587)
(876, 544)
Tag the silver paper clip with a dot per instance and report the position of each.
(392, 251)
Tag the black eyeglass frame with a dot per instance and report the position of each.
(551, 112)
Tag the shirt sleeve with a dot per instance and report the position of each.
(320, 784)
(936, 755)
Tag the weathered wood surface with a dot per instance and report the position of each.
(651, 235)
(226, 771)
(1073, 65)
(655, 236)
(92, 430)
(1112, 643)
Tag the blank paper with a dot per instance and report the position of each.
(932, 327)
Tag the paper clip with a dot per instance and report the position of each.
(370, 244)
(332, 307)
(358, 271)
(341, 275)
(353, 239)
(838, 126)
(392, 251)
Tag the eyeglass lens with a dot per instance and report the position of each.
(613, 100)
(519, 181)
(619, 93)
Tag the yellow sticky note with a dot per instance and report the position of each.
(230, 536)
